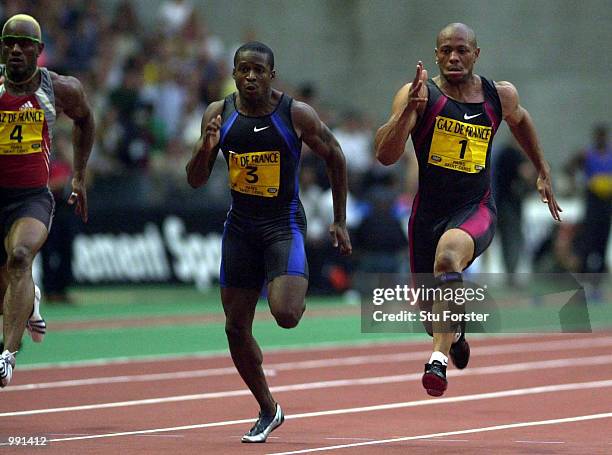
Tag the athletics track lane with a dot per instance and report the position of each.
(392, 376)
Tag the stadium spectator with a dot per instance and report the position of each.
(595, 163)
(512, 179)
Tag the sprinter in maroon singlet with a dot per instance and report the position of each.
(31, 98)
(452, 119)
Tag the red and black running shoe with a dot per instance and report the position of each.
(434, 378)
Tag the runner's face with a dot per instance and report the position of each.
(456, 56)
(20, 50)
(253, 75)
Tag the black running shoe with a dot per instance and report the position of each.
(434, 378)
(460, 352)
(264, 426)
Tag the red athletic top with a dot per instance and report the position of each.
(25, 138)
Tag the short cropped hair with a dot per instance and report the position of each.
(256, 46)
(37, 35)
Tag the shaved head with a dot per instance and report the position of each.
(22, 25)
(457, 27)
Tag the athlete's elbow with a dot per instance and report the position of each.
(384, 158)
(382, 151)
(195, 181)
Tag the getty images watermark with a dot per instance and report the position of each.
(401, 295)
(485, 303)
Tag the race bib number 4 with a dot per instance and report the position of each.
(459, 146)
(21, 131)
(255, 173)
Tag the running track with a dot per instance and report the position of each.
(520, 395)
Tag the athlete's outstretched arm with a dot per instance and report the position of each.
(71, 99)
(321, 140)
(523, 129)
(205, 151)
(408, 103)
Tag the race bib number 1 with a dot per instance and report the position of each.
(255, 173)
(21, 131)
(459, 146)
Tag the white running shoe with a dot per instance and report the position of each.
(36, 325)
(7, 363)
(264, 426)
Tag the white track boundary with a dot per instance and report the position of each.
(543, 346)
(453, 433)
(376, 380)
(426, 402)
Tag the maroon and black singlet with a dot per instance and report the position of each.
(452, 141)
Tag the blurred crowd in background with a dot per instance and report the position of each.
(149, 88)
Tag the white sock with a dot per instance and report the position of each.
(36, 308)
(437, 355)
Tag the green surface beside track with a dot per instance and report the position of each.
(107, 323)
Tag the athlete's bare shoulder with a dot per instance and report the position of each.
(302, 108)
(304, 117)
(215, 108)
(505, 89)
(65, 85)
(508, 96)
(69, 95)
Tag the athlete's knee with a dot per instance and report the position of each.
(19, 260)
(447, 261)
(237, 332)
(288, 318)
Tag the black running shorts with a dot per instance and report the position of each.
(257, 250)
(16, 203)
(478, 220)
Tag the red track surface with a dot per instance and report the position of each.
(577, 377)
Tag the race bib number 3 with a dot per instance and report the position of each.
(21, 131)
(459, 146)
(255, 173)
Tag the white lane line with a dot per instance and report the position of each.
(312, 347)
(210, 372)
(313, 364)
(451, 433)
(381, 407)
(376, 380)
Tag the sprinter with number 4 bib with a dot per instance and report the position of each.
(260, 131)
(452, 119)
(31, 99)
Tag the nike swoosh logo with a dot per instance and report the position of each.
(467, 117)
(257, 130)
